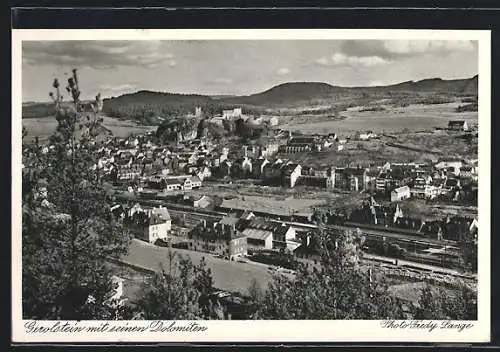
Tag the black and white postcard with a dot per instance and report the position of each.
(251, 185)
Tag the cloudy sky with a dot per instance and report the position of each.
(238, 66)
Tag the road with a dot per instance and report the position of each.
(228, 276)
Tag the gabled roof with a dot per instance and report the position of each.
(173, 181)
(162, 213)
(407, 222)
(156, 219)
(288, 169)
(229, 220)
(431, 227)
(401, 189)
(260, 161)
(257, 234)
(195, 179)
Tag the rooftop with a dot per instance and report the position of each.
(257, 234)
(229, 220)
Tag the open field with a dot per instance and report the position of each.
(228, 276)
(273, 205)
(422, 146)
(277, 199)
(421, 208)
(447, 144)
(393, 119)
(43, 127)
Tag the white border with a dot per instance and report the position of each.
(265, 331)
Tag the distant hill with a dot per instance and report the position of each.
(293, 92)
(150, 97)
(37, 110)
(150, 107)
(290, 92)
(460, 86)
(471, 86)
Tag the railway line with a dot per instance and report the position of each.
(374, 231)
(416, 243)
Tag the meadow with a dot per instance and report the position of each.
(392, 119)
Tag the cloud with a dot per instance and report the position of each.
(341, 59)
(391, 49)
(117, 88)
(97, 54)
(368, 53)
(323, 61)
(283, 71)
(172, 63)
(221, 81)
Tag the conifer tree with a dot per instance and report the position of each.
(68, 229)
(180, 291)
(342, 289)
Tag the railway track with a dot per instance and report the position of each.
(398, 235)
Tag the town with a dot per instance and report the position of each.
(197, 185)
(199, 196)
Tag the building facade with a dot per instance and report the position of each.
(219, 239)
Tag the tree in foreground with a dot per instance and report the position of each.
(342, 289)
(439, 303)
(68, 229)
(180, 291)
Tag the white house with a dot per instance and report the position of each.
(273, 121)
(195, 182)
(157, 229)
(197, 111)
(366, 136)
(400, 193)
(246, 165)
(231, 114)
(291, 173)
(450, 163)
(425, 191)
(203, 173)
(150, 225)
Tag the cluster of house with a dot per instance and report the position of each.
(426, 181)
(391, 215)
(235, 235)
(302, 144)
(130, 159)
(139, 158)
(398, 180)
(229, 236)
